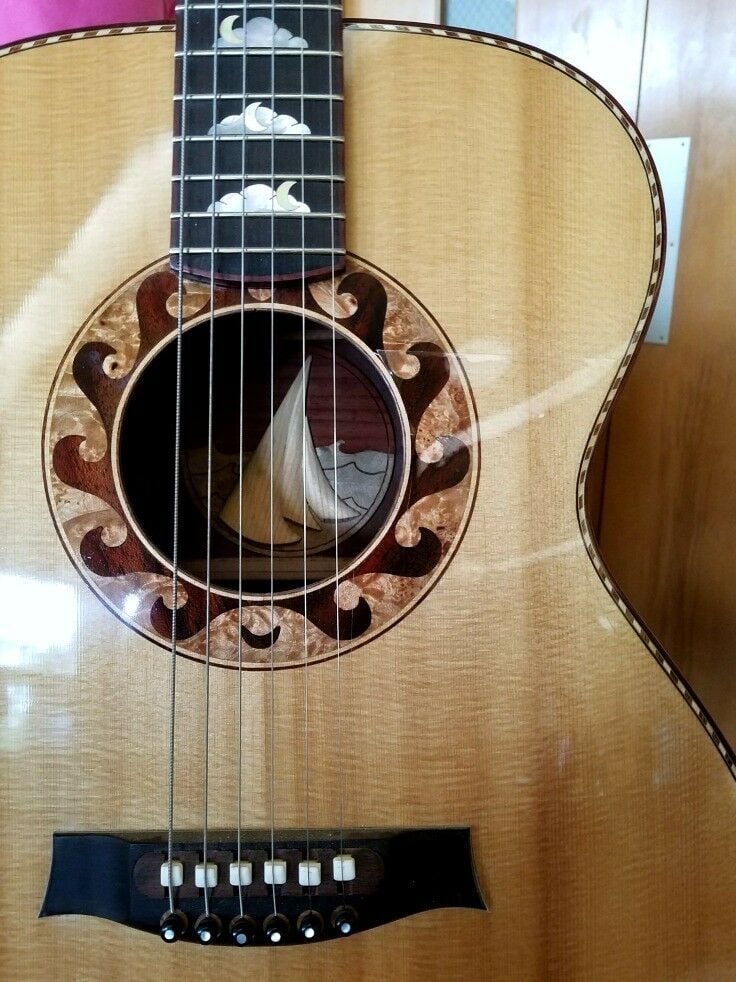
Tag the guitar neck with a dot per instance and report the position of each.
(258, 187)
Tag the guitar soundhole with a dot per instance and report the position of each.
(304, 489)
(401, 437)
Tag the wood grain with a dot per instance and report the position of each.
(668, 519)
(515, 698)
(604, 39)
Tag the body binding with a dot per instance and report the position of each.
(508, 194)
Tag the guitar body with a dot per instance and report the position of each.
(514, 697)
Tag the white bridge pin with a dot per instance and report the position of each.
(274, 872)
(199, 876)
(177, 874)
(343, 868)
(310, 874)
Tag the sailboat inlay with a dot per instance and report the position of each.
(286, 468)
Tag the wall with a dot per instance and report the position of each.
(668, 510)
(494, 16)
(421, 10)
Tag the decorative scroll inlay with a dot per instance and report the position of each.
(394, 572)
(537, 54)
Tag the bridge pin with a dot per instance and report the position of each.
(173, 926)
(208, 928)
(345, 920)
(243, 931)
(276, 929)
(310, 925)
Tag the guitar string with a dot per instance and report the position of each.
(338, 638)
(305, 426)
(240, 483)
(210, 421)
(177, 454)
(177, 451)
(640, 86)
(271, 459)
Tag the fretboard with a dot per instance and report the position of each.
(258, 140)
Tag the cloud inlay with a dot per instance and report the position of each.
(259, 32)
(260, 119)
(260, 199)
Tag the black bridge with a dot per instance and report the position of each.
(352, 882)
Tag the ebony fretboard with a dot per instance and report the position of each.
(278, 229)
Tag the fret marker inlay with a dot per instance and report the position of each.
(259, 32)
(258, 118)
(261, 198)
(258, 181)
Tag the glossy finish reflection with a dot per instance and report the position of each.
(38, 635)
(516, 699)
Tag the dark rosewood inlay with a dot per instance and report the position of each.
(400, 433)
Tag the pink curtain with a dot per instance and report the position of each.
(21, 19)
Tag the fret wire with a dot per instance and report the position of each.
(257, 136)
(263, 250)
(338, 178)
(293, 52)
(209, 96)
(315, 186)
(260, 214)
(263, 6)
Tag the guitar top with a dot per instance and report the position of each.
(307, 638)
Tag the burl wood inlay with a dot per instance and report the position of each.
(387, 580)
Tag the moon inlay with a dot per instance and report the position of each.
(226, 31)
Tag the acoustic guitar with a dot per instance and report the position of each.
(312, 667)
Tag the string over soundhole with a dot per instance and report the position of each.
(386, 471)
